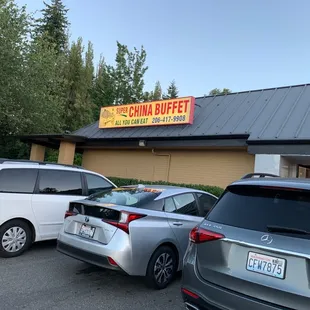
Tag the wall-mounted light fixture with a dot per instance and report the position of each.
(142, 143)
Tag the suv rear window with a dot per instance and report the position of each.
(255, 208)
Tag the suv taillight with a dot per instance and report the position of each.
(200, 235)
(70, 213)
(125, 219)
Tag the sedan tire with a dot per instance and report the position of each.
(15, 238)
(162, 268)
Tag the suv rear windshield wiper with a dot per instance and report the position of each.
(283, 229)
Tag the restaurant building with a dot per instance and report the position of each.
(210, 140)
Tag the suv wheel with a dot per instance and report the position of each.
(162, 268)
(15, 238)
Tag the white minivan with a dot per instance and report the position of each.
(34, 197)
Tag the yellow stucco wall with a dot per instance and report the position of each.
(209, 167)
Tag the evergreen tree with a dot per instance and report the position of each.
(157, 94)
(103, 93)
(172, 91)
(53, 25)
(122, 75)
(138, 69)
(217, 91)
(78, 106)
(88, 79)
(31, 89)
(147, 96)
(129, 74)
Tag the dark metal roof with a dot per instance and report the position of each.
(267, 114)
(53, 140)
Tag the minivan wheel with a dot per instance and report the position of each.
(15, 238)
(162, 268)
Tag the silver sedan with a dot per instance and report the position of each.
(140, 230)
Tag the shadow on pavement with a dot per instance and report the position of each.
(41, 245)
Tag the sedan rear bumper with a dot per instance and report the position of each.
(82, 255)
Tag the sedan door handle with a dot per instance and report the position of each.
(177, 223)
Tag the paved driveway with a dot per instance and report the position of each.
(45, 279)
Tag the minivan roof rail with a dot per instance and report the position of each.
(260, 175)
(25, 161)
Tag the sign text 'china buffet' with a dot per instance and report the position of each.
(165, 112)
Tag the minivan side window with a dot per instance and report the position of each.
(96, 184)
(59, 182)
(19, 181)
(206, 202)
(186, 204)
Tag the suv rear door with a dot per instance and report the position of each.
(252, 259)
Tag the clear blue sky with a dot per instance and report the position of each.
(202, 44)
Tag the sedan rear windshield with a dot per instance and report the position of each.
(257, 208)
(126, 197)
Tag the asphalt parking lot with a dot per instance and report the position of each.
(42, 278)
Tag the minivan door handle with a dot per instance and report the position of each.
(177, 223)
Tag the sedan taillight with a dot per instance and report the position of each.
(125, 219)
(70, 213)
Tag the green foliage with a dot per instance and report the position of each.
(53, 25)
(217, 91)
(14, 26)
(154, 95)
(128, 74)
(45, 86)
(50, 86)
(157, 94)
(78, 158)
(51, 156)
(78, 110)
(122, 83)
(31, 83)
(215, 190)
(10, 148)
(103, 93)
(172, 91)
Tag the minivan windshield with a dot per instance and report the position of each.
(264, 209)
(130, 197)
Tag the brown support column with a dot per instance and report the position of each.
(66, 153)
(37, 152)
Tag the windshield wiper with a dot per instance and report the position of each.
(283, 229)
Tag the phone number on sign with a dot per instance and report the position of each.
(169, 119)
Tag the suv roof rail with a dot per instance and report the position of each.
(25, 161)
(260, 175)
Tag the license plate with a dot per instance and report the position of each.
(267, 265)
(87, 231)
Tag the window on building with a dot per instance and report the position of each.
(18, 180)
(58, 182)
